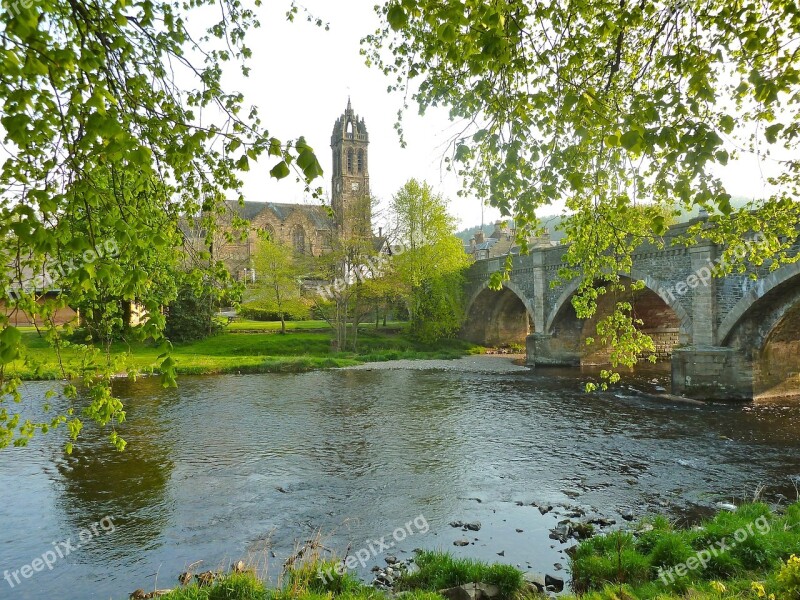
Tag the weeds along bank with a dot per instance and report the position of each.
(748, 554)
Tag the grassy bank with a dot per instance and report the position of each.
(756, 556)
(436, 571)
(238, 352)
(751, 553)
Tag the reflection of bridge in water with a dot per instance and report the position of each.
(729, 338)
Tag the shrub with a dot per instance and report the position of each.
(294, 311)
(191, 315)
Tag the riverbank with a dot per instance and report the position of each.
(248, 347)
(749, 553)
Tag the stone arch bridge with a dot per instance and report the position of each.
(728, 338)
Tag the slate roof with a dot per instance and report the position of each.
(317, 214)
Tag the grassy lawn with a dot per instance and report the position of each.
(233, 352)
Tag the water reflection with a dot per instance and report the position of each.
(131, 487)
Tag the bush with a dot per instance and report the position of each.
(191, 315)
(294, 311)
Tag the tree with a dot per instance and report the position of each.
(115, 124)
(432, 262)
(279, 274)
(613, 107)
(342, 299)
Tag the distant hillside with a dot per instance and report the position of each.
(469, 232)
(552, 222)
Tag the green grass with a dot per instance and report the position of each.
(300, 351)
(248, 325)
(302, 582)
(439, 571)
(758, 543)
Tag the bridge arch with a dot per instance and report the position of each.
(762, 288)
(651, 283)
(498, 317)
(664, 318)
(764, 329)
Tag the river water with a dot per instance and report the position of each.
(231, 467)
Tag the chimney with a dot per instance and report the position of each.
(479, 237)
(380, 231)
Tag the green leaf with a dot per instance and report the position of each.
(724, 204)
(726, 123)
(280, 170)
(631, 140)
(659, 226)
(397, 17)
(10, 338)
(612, 140)
(771, 132)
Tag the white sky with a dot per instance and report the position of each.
(300, 79)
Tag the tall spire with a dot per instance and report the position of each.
(350, 172)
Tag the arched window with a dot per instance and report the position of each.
(360, 161)
(349, 160)
(270, 231)
(299, 238)
(349, 129)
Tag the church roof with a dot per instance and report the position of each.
(316, 213)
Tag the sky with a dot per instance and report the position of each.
(301, 79)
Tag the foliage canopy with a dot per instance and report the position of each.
(614, 108)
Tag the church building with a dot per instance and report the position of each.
(311, 228)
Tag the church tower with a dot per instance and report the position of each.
(350, 180)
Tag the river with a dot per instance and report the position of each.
(247, 466)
